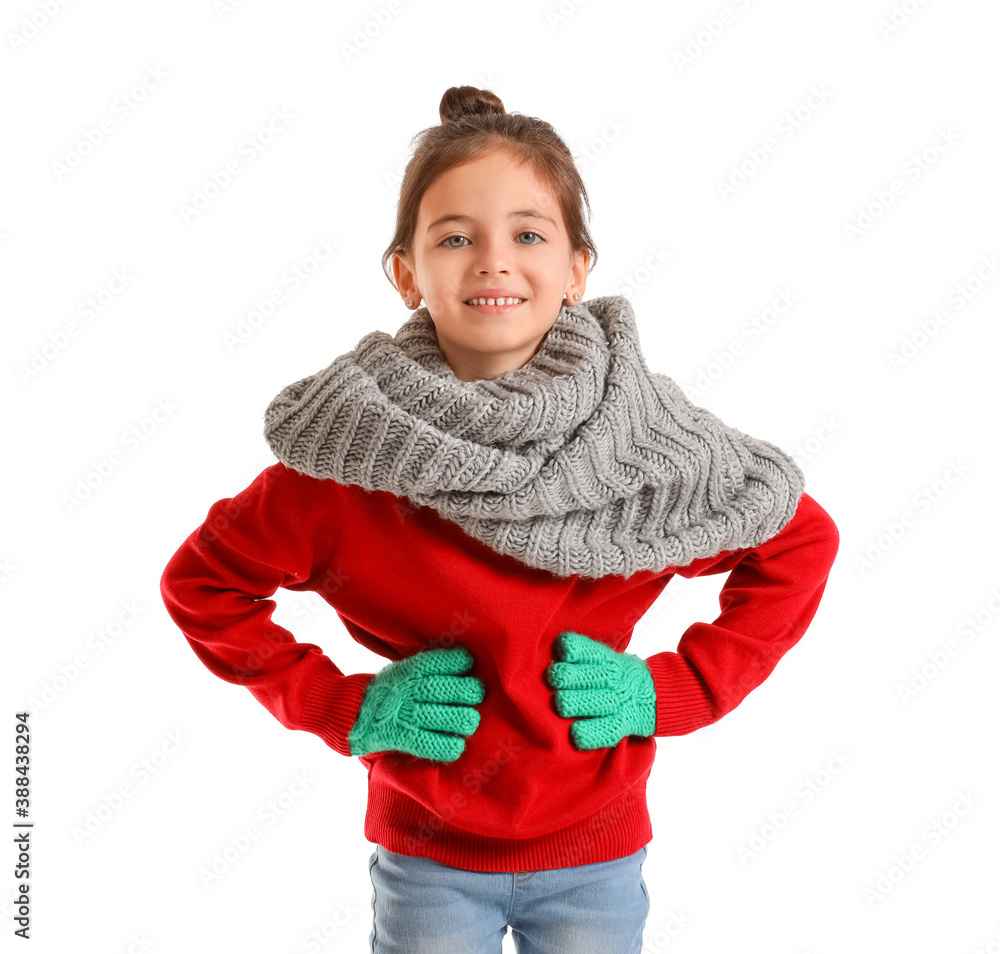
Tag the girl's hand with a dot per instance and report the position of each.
(613, 690)
(420, 705)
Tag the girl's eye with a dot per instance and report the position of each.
(464, 239)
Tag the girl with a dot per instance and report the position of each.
(491, 499)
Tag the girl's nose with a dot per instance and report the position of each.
(493, 255)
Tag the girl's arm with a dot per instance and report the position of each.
(767, 603)
(279, 532)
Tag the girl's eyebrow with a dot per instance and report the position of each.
(519, 214)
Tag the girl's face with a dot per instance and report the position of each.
(490, 224)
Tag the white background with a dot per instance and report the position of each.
(909, 444)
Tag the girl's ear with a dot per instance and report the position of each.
(404, 276)
(580, 262)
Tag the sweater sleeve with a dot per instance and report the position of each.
(281, 531)
(768, 600)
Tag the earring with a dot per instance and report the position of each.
(576, 297)
(409, 302)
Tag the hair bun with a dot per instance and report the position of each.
(461, 100)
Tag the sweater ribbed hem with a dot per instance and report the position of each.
(331, 706)
(683, 703)
(399, 823)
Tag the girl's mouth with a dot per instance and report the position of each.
(493, 306)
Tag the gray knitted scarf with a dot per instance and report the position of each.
(581, 462)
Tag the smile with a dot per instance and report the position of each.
(494, 306)
(494, 301)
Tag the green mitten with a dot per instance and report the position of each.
(615, 690)
(413, 704)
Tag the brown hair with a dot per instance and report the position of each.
(473, 123)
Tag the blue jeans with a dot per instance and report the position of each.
(424, 907)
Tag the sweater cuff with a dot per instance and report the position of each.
(683, 703)
(331, 706)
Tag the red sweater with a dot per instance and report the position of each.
(403, 579)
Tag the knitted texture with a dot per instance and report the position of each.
(613, 691)
(581, 461)
(419, 705)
